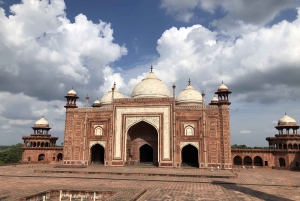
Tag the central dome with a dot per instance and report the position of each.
(150, 87)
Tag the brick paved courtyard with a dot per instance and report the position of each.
(152, 183)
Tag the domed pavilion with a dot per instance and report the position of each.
(41, 146)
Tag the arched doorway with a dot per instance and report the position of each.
(247, 160)
(97, 154)
(146, 135)
(281, 162)
(59, 157)
(146, 154)
(258, 161)
(41, 157)
(189, 156)
(237, 160)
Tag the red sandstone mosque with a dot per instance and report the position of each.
(153, 127)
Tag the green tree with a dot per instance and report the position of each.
(235, 146)
(12, 154)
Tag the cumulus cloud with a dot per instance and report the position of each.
(37, 37)
(42, 55)
(245, 131)
(252, 65)
(237, 14)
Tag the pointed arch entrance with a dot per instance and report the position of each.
(142, 144)
(97, 154)
(189, 156)
(146, 154)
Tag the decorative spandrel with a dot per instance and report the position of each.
(154, 121)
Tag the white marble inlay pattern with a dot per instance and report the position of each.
(102, 143)
(154, 121)
(195, 144)
(143, 110)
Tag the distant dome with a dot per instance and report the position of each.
(97, 102)
(286, 120)
(189, 95)
(223, 87)
(214, 99)
(41, 122)
(106, 99)
(150, 87)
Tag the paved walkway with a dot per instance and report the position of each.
(256, 184)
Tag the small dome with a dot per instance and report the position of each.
(97, 102)
(286, 120)
(150, 87)
(41, 122)
(214, 99)
(189, 95)
(106, 99)
(72, 92)
(223, 87)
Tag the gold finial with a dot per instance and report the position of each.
(151, 69)
(189, 81)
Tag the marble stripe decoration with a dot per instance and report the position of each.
(195, 144)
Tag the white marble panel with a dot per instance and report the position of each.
(143, 110)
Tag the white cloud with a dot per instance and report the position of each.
(245, 131)
(274, 122)
(19, 122)
(238, 13)
(5, 127)
(251, 65)
(39, 38)
(42, 55)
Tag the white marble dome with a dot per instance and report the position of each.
(189, 95)
(150, 87)
(97, 102)
(106, 99)
(41, 122)
(214, 100)
(223, 87)
(286, 120)
(72, 92)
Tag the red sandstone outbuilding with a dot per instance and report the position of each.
(40, 146)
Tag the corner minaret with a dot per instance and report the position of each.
(224, 125)
(71, 99)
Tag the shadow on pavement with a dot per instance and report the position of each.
(249, 191)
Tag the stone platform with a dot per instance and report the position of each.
(140, 171)
(151, 183)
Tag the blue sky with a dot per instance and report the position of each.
(48, 46)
